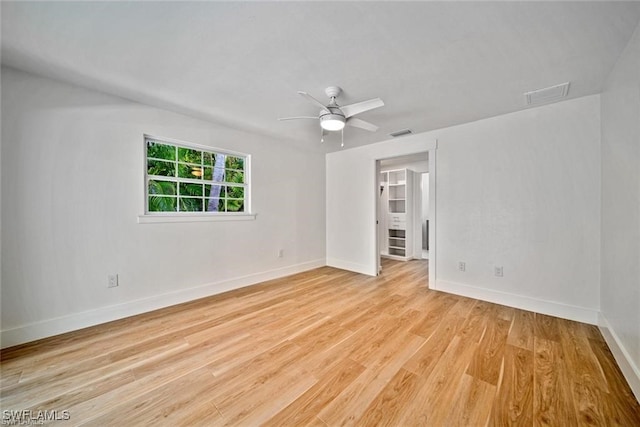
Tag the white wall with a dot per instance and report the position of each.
(620, 280)
(72, 188)
(519, 191)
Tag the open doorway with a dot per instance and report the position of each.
(402, 207)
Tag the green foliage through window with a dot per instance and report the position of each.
(186, 179)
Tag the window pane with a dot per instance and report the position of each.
(190, 204)
(189, 155)
(234, 176)
(162, 204)
(190, 171)
(213, 197)
(160, 151)
(211, 205)
(190, 189)
(162, 187)
(208, 158)
(214, 190)
(219, 159)
(196, 172)
(208, 173)
(221, 207)
(235, 192)
(218, 175)
(158, 167)
(235, 205)
(235, 163)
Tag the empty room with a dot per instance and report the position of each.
(320, 213)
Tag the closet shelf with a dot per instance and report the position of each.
(399, 209)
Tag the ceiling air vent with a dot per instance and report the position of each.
(401, 132)
(548, 94)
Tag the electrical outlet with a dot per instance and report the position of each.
(498, 271)
(462, 266)
(281, 253)
(113, 281)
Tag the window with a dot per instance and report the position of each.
(184, 179)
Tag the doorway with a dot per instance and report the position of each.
(402, 209)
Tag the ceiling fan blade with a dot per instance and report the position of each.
(358, 123)
(313, 100)
(361, 107)
(296, 118)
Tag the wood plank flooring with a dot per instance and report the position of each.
(326, 347)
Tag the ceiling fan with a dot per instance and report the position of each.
(333, 117)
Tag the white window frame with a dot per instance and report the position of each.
(160, 217)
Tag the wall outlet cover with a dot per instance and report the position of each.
(112, 281)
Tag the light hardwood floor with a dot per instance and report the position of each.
(326, 347)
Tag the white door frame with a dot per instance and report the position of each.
(378, 218)
(433, 247)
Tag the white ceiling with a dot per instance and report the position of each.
(435, 64)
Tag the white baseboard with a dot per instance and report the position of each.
(629, 369)
(351, 266)
(72, 322)
(551, 308)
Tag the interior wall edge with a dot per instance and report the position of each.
(551, 308)
(50, 327)
(351, 266)
(629, 369)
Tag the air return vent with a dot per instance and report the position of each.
(401, 132)
(548, 94)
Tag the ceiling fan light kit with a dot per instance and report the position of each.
(333, 117)
(332, 122)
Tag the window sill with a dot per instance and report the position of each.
(153, 219)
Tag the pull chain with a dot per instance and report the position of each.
(342, 133)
